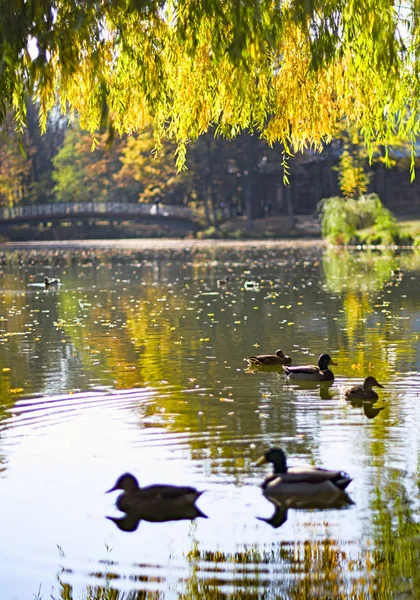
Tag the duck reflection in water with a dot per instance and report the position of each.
(369, 410)
(155, 503)
(301, 487)
(322, 386)
(320, 501)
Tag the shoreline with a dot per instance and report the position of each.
(161, 243)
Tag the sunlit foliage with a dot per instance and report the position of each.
(295, 71)
(341, 219)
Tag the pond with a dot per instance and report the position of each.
(135, 362)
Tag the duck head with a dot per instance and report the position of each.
(324, 361)
(126, 482)
(276, 457)
(369, 382)
(280, 354)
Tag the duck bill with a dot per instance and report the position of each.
(333, 363)
(379, 385)
(261, 461)
(111, 490)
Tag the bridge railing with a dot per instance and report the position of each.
(94, 208)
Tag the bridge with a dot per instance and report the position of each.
(112, 211)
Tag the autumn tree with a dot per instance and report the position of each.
(15, 167)
(293, 70)
(150, 175)
(82, 175)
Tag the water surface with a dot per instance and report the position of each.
(135, 363)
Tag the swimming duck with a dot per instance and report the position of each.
(49, 281)
(155, 496)
(250, 284)
(311, 372)
(299, 481)
(279, 358)
(222, 282)
(364, 391)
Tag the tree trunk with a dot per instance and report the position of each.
(206, 202)
(248, 200)
(212, 202)
(289, 203)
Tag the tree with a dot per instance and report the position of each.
(81, 175)
(148, 176)
(15, 167)
(295, 71)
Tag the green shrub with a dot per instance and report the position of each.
(210, 232)
(338, 219)
(240, 234)
(341, 219)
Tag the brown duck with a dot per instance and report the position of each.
(364, 391)
(279, 358)
(155, 503)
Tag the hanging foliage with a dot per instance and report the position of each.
(297, 71)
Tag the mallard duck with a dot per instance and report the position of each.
(279, 358)
(250, 284)
(364, 391)
(311, 372)
(153, 497)
(299, 481)
(49, 281)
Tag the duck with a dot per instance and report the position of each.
(279, 358)
(364, 391)
(311, 372)
(158, 499)
(299, 481)
(49, 281)
(251, 284)
(222, 282)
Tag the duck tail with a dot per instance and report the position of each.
(200, 513)
(253, 360)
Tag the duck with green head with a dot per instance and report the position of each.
(364, 391)
(279, 358)
(300, 481)
(312, 372)
(49, 281)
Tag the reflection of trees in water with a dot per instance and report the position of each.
(366, 271)
(317, 569)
